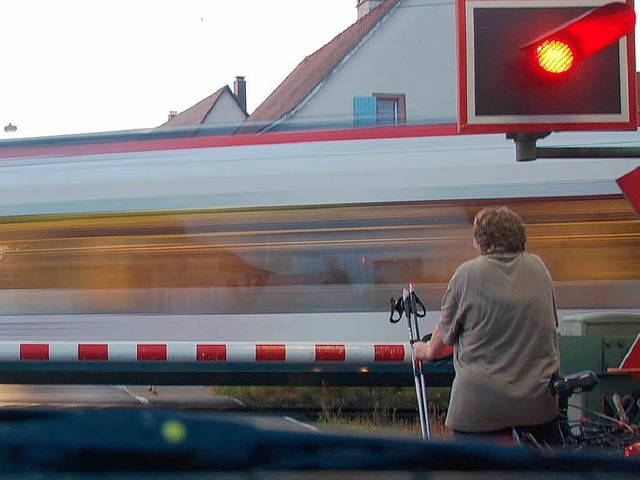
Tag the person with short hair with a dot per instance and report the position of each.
(499, 314)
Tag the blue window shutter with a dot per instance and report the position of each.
(364, 111)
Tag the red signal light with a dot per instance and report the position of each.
(546, 65)
(558, 51)
(555, 56)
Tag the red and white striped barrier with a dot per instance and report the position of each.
(241, 352)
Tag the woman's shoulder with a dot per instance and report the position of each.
(536, 264)
(532, 257)
(470, 265)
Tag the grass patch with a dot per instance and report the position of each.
(385, 410)
(388, 426)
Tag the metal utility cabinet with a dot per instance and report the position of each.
(598, 342)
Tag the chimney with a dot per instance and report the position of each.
(365, 6)
(172, 114)
(240, 90)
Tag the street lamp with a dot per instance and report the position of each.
(10, 128)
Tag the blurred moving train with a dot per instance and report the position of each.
(278, 225)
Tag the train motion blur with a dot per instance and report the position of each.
(297, 225)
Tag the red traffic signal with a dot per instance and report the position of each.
(553, 56)
(559, 51)
(546, 65)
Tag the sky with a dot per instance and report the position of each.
(77, 66)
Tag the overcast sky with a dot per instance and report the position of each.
(75, 66)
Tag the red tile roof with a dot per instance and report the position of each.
(196, 114)
(312, 70)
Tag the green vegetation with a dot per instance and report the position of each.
(385, 410)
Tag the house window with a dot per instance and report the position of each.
(379, 109)
(390, 108)
(386, 111)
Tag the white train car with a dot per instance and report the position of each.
(297, 237)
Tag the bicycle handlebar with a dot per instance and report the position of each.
(576, 383)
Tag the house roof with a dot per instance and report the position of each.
(312, 70)
(196, 114)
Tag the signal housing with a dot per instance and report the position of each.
(503, 88)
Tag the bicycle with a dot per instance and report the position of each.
(613, 433)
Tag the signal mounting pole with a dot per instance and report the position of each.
(527, 150)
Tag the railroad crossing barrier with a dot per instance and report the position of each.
(200, 363)
(593, 341)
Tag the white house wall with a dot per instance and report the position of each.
(226, 113)
(413, 53)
